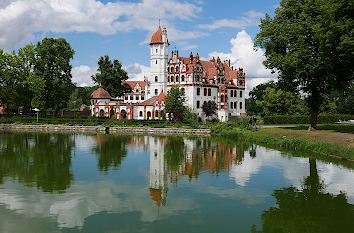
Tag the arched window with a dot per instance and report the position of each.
(156, 79)
(172, 79)
(156, 113)
(205, 92)
(209, 92)
(177, 68)
(148, 115)
(198, 91)
(182, 78)
(177, 79)
(156, 50)
(183, 90)
(222, 98)
(168, 78)
(123, 114)
(141, 113)
(101, 113)
(172, 70)
(168, 69)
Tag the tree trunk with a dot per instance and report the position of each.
(313, 119)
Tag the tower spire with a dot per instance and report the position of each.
(159, 21)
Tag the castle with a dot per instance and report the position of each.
(201, 81)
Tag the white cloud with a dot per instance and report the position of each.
(21, 19)
(243, 55)
(82, 75)
(137, 72)
(251, 18)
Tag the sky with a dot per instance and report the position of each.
(122, 30)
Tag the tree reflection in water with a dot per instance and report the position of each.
(40, 159)
(110, 150)
(308, 210)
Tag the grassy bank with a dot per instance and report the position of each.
(278, 137)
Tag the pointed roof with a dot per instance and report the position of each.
(161, 97)
(156, 196)
(100, 93)
(157, 37)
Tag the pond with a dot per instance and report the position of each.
(61, 182)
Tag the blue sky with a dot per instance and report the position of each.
(122, 29)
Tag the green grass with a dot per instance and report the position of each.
(341, 128)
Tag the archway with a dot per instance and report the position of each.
(148, 115)
(123, 114)
(101, 113)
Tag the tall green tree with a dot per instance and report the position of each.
(111, 76)
(53, 65)
(209, 108)
(175, 101)
(310, 44)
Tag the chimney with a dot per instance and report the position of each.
(191, 57)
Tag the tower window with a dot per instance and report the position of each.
(198, 91)
(156, 79)
(222, 98)
(156, 91)
(156, 61)
(156, 50)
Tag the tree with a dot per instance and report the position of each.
(209, 108)
(53, 65)
(344, 100)
(280, 102)
(257, 94)
(310, 44)
(175, 100)
(111, 76)
(75, 101)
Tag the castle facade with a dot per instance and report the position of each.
(201, 81)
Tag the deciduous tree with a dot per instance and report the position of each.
(111, 76)
(311, 44)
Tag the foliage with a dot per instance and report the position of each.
(209, 108)
(311, 46)
(304, 119)
(256, 94)
(277, 102)
(53, 65)
(344, 100)
(175, 101)
(111, 76)
(75, 101)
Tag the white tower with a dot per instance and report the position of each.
(158, 63)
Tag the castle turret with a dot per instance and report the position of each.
(158, 63)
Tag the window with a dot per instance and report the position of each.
(142, 97)
(156, 79)
(168, 69)
(240, 105)
(137, 97)
(232, 93)
(198, 91)
(126, 97)
(231, 104)
(205, 92)
(177, 68)
(177, 79)
(172, 79)
(182, 78)
(148, 115)
(235, 93)
(198, 104)
(156, 113)
(183, 90)
(240, 94)
(209, 92)
(172, 70)
(156, 50)
(222, 98)
(131, 97)
(141, 113)
(156, 61)
(156, 91)
(168, 79)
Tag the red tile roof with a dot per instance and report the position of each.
(157, 37)
(100, 93)
(161, 97)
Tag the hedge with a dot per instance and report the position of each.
(305, 119)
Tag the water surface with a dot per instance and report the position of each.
(52, 182)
